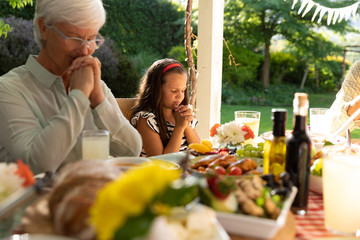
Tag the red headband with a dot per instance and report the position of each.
(171, 66)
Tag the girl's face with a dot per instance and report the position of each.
(173, 89)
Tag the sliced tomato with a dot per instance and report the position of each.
(214, 187)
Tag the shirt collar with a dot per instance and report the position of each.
(39, 72)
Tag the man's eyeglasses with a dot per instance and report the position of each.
(75, 42)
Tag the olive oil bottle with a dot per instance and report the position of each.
(275, 148)
(298, 154)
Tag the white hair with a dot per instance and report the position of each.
(80, 13)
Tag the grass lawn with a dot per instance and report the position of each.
(315, 100)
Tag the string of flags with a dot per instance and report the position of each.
(334, 14)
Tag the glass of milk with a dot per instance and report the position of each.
(95, 144)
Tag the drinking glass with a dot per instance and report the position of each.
(250, 118)
(341, 178)
(95, 144)
(318, 121)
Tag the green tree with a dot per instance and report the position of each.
(15, 4)
(139, 25)
(313, 50)
(254, 23)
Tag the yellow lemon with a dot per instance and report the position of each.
(201, 148)
(208, 143)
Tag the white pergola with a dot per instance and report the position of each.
(209, 64)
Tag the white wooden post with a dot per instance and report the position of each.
(209, 64)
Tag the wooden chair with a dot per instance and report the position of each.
(125, 105)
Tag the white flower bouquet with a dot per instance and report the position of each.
(232, 133)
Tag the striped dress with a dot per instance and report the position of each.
(151, 121)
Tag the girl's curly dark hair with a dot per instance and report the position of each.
(149, 94)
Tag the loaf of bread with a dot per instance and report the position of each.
(91, 168)
(74, 191)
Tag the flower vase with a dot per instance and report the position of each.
(6, 227)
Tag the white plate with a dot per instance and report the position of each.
(256, 227)
(172, 157)
(125, 163)
(318, 138)
(315, 184)
(38, 237)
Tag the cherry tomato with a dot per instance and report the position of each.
(220, 170)
(235, 171)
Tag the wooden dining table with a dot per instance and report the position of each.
(309, 226)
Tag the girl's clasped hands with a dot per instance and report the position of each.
(183, 115)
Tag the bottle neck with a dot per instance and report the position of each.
(279, 128)
(300, 110)
(300, 123)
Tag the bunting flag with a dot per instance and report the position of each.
(334, 14)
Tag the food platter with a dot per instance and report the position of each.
(258, 170)
(242, 224)
(256, 227)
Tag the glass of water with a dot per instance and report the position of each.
(318, 121)
(250, 118)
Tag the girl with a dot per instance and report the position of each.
(161, 112)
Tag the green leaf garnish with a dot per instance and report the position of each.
(327, 143)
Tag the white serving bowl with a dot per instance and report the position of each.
(126, 163)
(166, 164)
(315, 184)
(256, 227)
